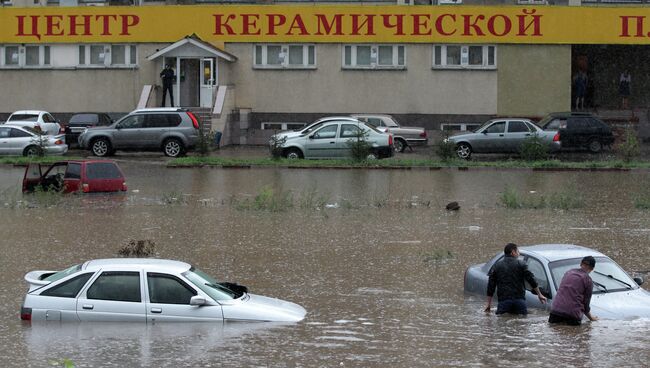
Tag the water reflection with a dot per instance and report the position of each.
(381, 277)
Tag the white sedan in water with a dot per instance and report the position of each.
(145, 290)
(615, 296)
(35, 119)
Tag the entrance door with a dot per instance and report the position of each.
(208, 82)
(190, 80)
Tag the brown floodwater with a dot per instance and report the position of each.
(372, 255)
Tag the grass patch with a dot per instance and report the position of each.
(393, 162)
(24, 161)
(173, 198)
(565, 200)
(437, 255)
(642, 201)
(267, 200)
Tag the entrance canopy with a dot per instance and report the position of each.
(192, 46)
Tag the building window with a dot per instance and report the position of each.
(108, 55)
(464, 57)
(285, 56)
(374, 57)
(32, 56)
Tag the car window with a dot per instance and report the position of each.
(556, 124)
(105, 120)
(162, 120)
(517, 127)
(532, 127)
(102, 170)
(23, 117)
(326, 132)
(61, 274)
(168, 289)
(17, 133)
(575, 124)
(73, 171)
(498, 127)
(116, 285)
(536, 267)
(350, 131)
(605, 268)
(312, 127)
(376, 122)
(69, 288)
(84, 118)
(48, 118)
(5, 132)
(132, 122)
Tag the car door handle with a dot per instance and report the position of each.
(332, 142)
(527, 134)
(88, 306)
(156, 310)
(500, 135)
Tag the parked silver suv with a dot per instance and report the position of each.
(171, 130)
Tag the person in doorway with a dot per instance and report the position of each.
(168, 78)
(574, 295)
(624, 88)
(508, 277)
(580, 85)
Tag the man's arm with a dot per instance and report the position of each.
(589, 287)
(492, 285)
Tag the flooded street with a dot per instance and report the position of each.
(372, 255)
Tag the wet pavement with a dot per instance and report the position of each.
(371, 254)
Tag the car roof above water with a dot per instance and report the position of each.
(556, 252)
(145, 263)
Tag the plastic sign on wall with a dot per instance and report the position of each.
(334, 24)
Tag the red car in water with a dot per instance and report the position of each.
(75, 176)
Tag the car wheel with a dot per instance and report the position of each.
(464, 151)
(293, 154)
(101, 147)
(399, 145)
(32, 151)
(173, 148)
(595, 146)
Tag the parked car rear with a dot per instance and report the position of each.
(579, 130)
(80, 121)
(172, 130)
(75, 176)
(23, 140)
(402, 136)
(35, 119)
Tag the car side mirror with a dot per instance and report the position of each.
(198, 301)
(639, 280)
(484, 132)
(118, 126)
(312, 136)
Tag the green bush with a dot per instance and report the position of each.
(629, 149)
(204, 143)
(359, 146)
(276, 146)
(446, 150)
(533, 149)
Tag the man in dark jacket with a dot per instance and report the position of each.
(507, 277)
(168, 77)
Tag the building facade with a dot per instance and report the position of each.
(261, 77)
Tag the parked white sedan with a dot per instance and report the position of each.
(145, 290)
(35, 119)
(16, 141)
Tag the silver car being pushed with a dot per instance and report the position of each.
(504, 135)
(615, 295)
(332, 138)
(145, 290)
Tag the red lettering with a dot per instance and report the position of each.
(507, 25)
(275, 20)
(21, 26)
(297, 23)
(419, 24)
(535, 22)
(368, 23)
(74, 25)
(398, 25)
(336, 24)
(106, 23)
(53, 24)
(440, 27)
(128, 20)
(220, 24)
(250, 21)
(625, 20)
(469, 25)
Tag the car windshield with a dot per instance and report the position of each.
(482, 126)
(311, 127)
(545, 120)
(209, 285)
(23, 117)
(84, 119)
(607, 275)
(61, 274)
(390, 123)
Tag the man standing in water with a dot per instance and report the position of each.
(574, 295)
(507, 277)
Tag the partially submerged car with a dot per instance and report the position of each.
(26, 141)
(35, 119)
(145, 290)
(75, 176)
(615, 295)
(331, 138)
(402, 136)
(503, 135)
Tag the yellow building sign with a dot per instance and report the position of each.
(322, 23)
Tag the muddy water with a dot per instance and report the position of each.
(379, 267)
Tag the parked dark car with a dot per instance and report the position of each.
(170, 130)
(75, 176)
(80, 121)
(579, 130)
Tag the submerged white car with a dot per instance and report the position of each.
(145, 290)
(615, 296)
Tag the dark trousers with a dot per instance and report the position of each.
(558, 318)
(513, 306)
(170, 89)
